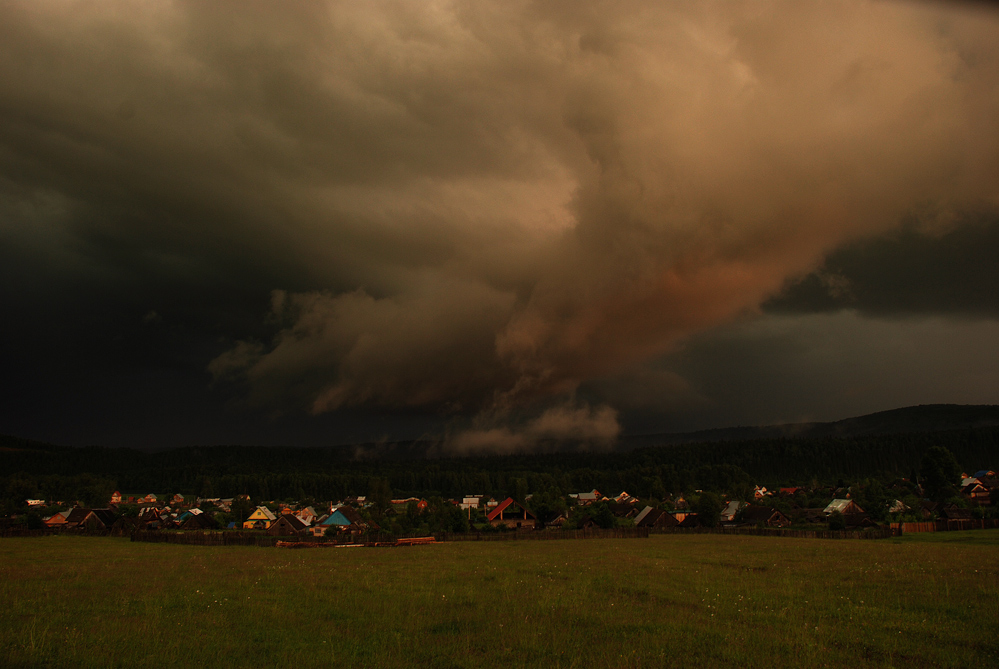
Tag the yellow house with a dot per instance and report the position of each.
(260, 519)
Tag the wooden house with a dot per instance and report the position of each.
(953, 512)
(511, 513)
(347, 519)
(586, 498)
(689, 520)
(57, 521)
(307, 515)
(650, 517)
(765, 516)
(286, 525)
(260, 519)
(623, 510)
(116, 497)
(124, 526)
(843, 506)
(858, 521)
(976, 493)
(732, 508)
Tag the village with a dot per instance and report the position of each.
(903, 507)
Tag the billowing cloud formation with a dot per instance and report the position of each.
(582, 427)
(476, 205)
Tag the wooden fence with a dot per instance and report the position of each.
(945, 526)
(874, 533)
(240, 538)
(24, 532)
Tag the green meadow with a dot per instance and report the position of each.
(670, 600)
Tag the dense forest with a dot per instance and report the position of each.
(31, 469)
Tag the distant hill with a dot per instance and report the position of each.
(922, 418)
(888, 444)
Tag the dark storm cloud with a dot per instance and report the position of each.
(464, 206)
(818, 367)
(912, 271)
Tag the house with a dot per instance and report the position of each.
(952, 512)
(790, 492)
(91, 519)
(856, 521)
(977, 493)
(149, 499)
(764, 515)
(650, 517)
(843, 506)
(260, 519)
(75, 517)
(511, 512)
(586, 498)
(814, 516)
(399, 506)
(623, 510)
(57, 521)
(759, 492)
(307, 515)
(470, 502)
(625, 498)
(728, 513)
(346, 518)
(287, 525)
(124, 526)
(688, 520)
(116, 497)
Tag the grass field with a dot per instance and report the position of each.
(682, 600)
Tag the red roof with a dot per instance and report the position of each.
(504, 505)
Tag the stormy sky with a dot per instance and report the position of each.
(491, 223)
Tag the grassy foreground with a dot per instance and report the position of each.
(691, 600)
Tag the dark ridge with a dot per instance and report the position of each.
(922, 418)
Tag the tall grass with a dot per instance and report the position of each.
(701, 600)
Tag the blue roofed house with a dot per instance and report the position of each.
(345, 519)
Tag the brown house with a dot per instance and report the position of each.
(763, 515)
(977, 493)
(650, 517)
(512, 513)
(286, 525)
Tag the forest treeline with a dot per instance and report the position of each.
(31, 469)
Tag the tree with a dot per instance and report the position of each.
(379, 495)
(548, 505)
(874, 499)
(708, 508)
(836, 521)
(241, 509)
(939, 473)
